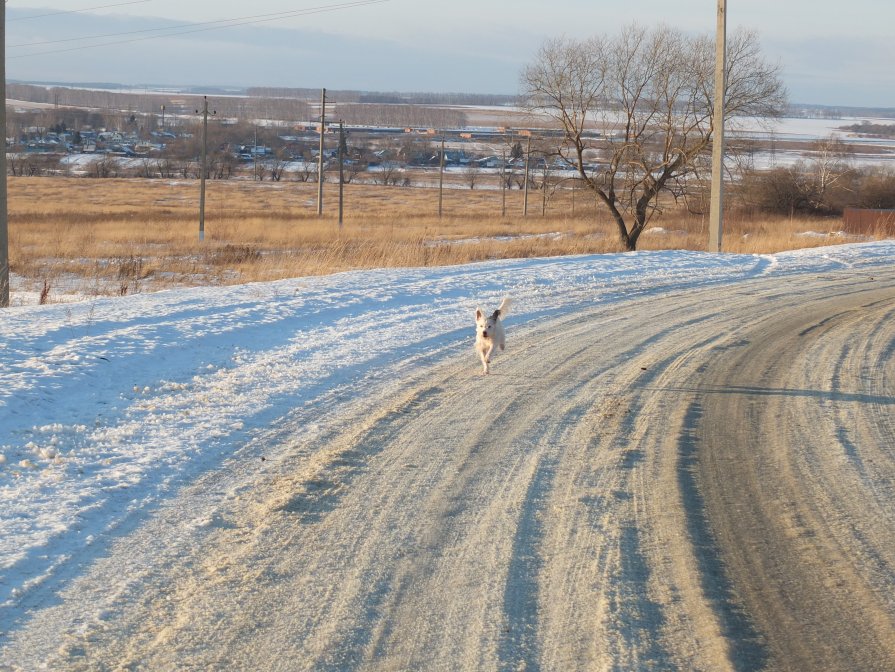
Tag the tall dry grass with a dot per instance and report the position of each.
(122, 236)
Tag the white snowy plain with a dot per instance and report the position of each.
(108, 406)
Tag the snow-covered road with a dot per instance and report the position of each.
(112, 409)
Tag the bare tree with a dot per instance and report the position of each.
(147, 169)
(823, 184)
(166, 168)
(106, 166)
(471, 174)
(306, 171)
(389, 174)
(828, 167)
(222, 165)
(277, 165)
(636, 110)
(353, 168)
(190, 170)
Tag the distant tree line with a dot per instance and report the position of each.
(400, 115)
(150, 103)
(384, 98)
(838, 112)
(869, 128)
(274, 104)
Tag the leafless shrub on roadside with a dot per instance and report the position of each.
(45, 293)
(130, 273)
(129, 268)
(233, 255)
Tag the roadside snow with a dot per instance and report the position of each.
(107, 406)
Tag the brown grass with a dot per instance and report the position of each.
(124, 236)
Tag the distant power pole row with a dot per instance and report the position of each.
(204, 164)
(717, 189)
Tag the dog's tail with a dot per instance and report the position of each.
(504, 306)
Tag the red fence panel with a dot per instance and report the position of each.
(869, 222)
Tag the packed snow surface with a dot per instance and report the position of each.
(108, 406)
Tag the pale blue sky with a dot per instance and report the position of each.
(832, 52)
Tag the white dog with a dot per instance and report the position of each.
(489, 333)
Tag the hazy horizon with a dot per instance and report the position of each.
(835, 58)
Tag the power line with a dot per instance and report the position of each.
(77, 11)
(190, 29)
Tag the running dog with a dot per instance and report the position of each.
(489, 333)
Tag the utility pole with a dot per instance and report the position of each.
(527, 166)
(716, 211)
(503, 184)
(203, 169)
(320, 156)
(341, 172)
(4, 220)
(441, 178)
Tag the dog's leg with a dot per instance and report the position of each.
(487, 357)
(480, 348)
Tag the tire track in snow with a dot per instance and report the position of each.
(562, 513)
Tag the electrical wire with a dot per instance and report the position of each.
(190, 28)
(76, 11)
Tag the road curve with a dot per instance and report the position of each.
(703, 480)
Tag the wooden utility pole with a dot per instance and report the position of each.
(503, 184)
(203, 169)
(255, 157)
(341, 172)
(4, 220)
(527, 166)
(320, 156)
(441, 178)
(716, 211)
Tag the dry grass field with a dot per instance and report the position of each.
(90, 236)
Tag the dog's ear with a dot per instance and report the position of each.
(496, 314)
(479, 314)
